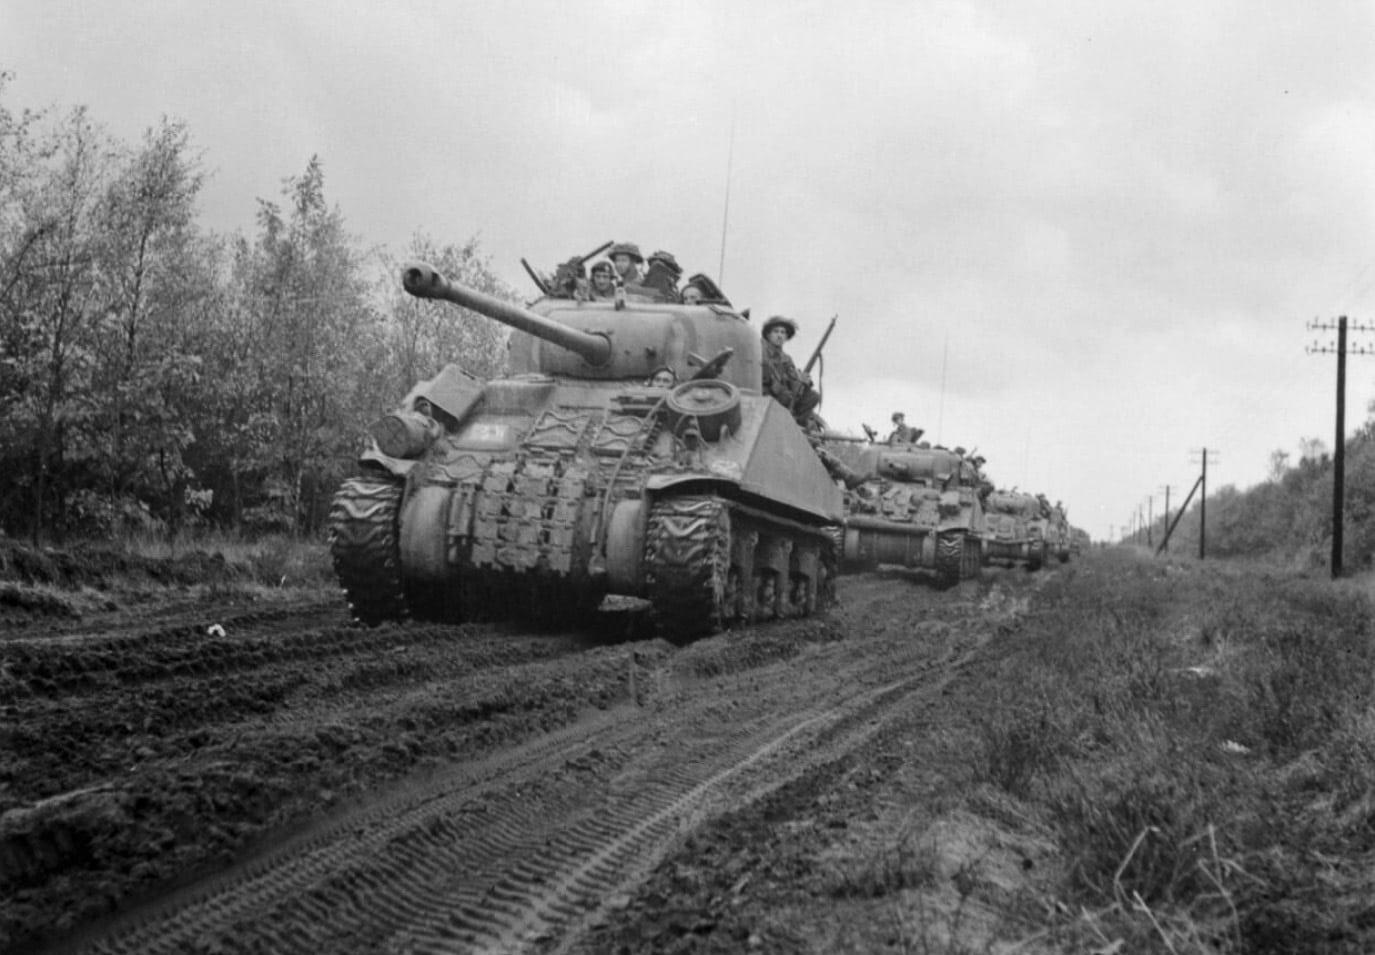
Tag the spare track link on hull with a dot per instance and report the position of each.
(363, 543)
(710, 563)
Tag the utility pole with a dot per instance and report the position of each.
(1150, 521)
(1165, 521)
(1339, 445)
(1202, 485)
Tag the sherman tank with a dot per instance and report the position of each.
(1014, 529)
(1059, 535)
(1079, 540)
(570, 478)
(915, 506)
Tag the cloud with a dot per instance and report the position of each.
(1083, 236)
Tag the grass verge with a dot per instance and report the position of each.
(1201, 739)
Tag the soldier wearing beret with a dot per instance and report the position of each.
(603, 281)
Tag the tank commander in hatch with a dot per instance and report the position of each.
(903, 433)
(626, 257)
(782, 380)
(603, 281)
(662, 276)
(705, 290)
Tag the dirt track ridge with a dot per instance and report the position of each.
(518, 853)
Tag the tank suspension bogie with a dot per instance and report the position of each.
(711, 563)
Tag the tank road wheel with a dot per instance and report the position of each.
(687, 565)
(829, 567)
(363, 543)
(973, 559)
(734, 595)
(765, 595)
(950, 558)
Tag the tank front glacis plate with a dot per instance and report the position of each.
(532, 478)
(535, 508)
(770, 459)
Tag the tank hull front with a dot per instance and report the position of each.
(549, 495)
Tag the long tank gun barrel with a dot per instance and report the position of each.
(424, 281)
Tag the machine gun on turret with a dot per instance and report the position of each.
(566, 274)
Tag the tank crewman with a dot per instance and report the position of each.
(708, 292)
(903, 433)
(603, 281)
(626, 257)
(782, 380)
(692, 294)
(662, 377)
(662, 275)
(836, 468)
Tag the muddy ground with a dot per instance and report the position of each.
(184, 772)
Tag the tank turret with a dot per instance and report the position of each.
(605, 339)
(571, 478)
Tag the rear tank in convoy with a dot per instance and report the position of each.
(572, 478)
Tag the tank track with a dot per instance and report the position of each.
(710, 563)
(957, 557)
(363, 544)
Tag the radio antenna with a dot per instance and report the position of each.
(940, 415)
(725, 213)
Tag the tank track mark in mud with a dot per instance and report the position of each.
(364, 545)
(711, 563)
(957, 557)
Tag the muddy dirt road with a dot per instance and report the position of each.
(277, 780)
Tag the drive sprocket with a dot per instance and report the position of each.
(363, 543)
(687, 563)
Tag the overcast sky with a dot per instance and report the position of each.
(1084, 237)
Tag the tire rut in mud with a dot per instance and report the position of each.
(132, 759)
(516, 853)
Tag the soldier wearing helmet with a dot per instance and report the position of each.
(903, 433)
(782, 379)
(661, 277)
(626, 257)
